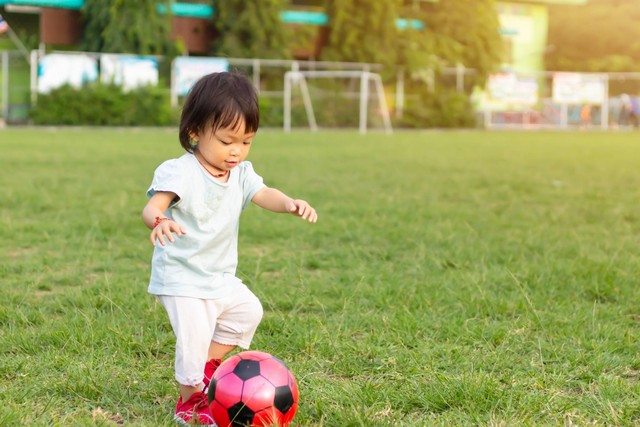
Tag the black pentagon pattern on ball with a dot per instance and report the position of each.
(246, 369)
(283, 399)
(240, 415)
(211, 393)
(253, 369)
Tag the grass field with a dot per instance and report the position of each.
(462, 278)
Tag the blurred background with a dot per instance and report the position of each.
(402, 63)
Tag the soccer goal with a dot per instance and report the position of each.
(300, 78)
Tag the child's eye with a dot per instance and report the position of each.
(247, 142)
(225, 142)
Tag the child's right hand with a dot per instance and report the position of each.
(166, 228)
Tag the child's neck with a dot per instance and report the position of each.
(217, 172)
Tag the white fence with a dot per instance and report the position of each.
(14, 87)
(560, 100)
(510, 100)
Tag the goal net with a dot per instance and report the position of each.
(349, 95)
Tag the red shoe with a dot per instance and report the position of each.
(209, 368)
(194, 411)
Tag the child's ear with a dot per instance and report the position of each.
(193, 136)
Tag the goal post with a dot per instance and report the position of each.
(299, 78)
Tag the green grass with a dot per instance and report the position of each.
(461, 278)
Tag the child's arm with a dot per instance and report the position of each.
(276, 201)
(155, 208)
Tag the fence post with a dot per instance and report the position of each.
(256, 74)
(34, 77)
(364, 101)
(400, 93)
(287, 102)
(604, 114)
(564, 116)
(5, 87)
(173, 85)
(460, 77)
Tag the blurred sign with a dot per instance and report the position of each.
(188, 71)
(58, 69)
(576, 88)
(508, 88)
(129, 71)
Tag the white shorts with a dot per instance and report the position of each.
(232, 320)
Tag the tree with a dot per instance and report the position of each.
(466, 32)
(601, 36)
(416, 48)
(122, 27)
(250, 29)
(456, 31)
(362, 31)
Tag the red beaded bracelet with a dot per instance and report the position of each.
(159, 220)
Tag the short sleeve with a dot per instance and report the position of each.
(251, 183)
(169, 176)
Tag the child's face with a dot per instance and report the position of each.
(225, 148)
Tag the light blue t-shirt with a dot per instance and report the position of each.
(201, 263)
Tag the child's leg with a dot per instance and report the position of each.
(219, 351)
(237, 323)
(191, 322)
(186, 391)
(239, 318)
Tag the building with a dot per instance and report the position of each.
(59, 22)
(524, 28)
(524, 25)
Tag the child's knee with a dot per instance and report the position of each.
(256, 311)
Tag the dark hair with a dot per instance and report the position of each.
(220, 100)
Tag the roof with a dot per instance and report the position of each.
(179, 9)
(197, 10)
(64, 4)
(569, 2)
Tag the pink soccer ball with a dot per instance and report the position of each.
(253, 388)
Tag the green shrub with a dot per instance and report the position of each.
(151, 106)
(444, 108)
(104, 105)
(272, 112)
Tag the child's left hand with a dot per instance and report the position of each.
(303, 209)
